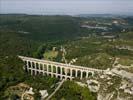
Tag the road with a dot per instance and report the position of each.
(56, 89)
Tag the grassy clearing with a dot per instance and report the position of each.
(49, 55)
(126, 61)
(99, 60)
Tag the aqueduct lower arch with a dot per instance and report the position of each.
(59, 70)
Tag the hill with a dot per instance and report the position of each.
(42, 28)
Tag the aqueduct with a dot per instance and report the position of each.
(55, 69)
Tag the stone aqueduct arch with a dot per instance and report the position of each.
(55, 69)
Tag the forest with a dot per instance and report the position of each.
(34, 36)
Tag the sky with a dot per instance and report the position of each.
(69, 7)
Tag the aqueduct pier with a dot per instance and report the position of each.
(56, 69)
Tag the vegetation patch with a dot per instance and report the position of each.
(50, 55)
(71, 90)
(126, 61)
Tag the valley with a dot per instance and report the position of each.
(93, 42)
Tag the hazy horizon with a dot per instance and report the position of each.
(69, 7)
